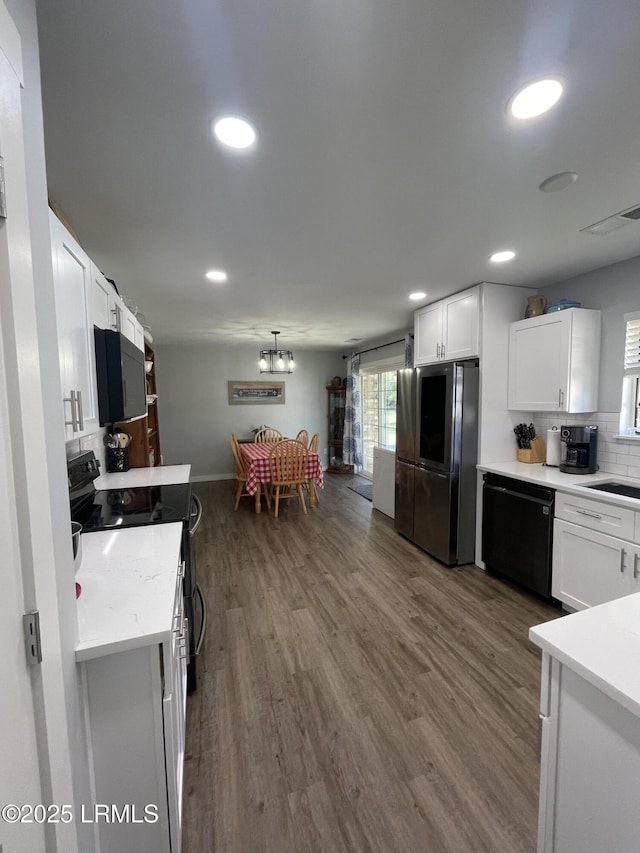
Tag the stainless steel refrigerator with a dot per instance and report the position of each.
(436, 454)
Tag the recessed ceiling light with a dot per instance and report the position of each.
(216, 275)
(234, 131)
(535, 99)
(558, 182)
(418, 295)
(502, 257)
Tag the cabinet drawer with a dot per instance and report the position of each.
(596, 515)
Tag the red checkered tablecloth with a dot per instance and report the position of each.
(256, 460)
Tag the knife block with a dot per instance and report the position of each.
(536, 453)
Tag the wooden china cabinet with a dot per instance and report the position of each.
(144, 450)
(336, 404)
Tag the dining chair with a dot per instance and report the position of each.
(303, 436)
(314, 444)
(242, 476)
(268, 435)
(288, 471)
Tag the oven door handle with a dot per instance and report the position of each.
(203, 624)
(196, 514)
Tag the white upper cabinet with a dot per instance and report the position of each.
(108, 307)
(427, 334)
(72, 285)
(554, 362)
(447, 330)
(110, 312)
(133, 329)
(460, 322)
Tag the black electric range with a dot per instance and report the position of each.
(137, 507)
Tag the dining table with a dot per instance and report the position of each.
(255, 458)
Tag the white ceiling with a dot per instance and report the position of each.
(386, 162)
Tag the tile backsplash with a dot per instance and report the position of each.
(90, 442)
(615, 456)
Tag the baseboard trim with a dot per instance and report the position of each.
(204, 478)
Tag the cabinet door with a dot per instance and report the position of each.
(139, 336)
(590, 568)
(107, 306)
(539, 362)
(133, 329)
(460, 321)
(592, 762)
(72, 284)
(129, 326)
(427, 334)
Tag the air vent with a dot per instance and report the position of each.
(631, 214)
(612, 223)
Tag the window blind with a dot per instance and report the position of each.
(632, 343)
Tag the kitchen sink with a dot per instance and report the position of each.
(614, 488)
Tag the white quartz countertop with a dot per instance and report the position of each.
(128, 579)
(162, 475)
(601, 644)
(572, 483)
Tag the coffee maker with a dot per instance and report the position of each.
(581, 449)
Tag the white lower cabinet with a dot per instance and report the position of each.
(589, 767)
(136, 708)
(591, 566)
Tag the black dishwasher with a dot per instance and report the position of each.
(517, 531)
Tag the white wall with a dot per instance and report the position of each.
(501, 305)
(196, 419)
(615, 290)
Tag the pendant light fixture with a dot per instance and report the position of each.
(276, 360)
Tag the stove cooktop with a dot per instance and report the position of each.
(135, 507)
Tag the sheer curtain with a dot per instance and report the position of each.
(352, 438)
(408, 350)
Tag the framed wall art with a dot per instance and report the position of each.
(252, 393)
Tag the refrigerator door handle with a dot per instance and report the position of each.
(437, 350)
(432, 472)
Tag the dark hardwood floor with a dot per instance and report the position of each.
(355, 694)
